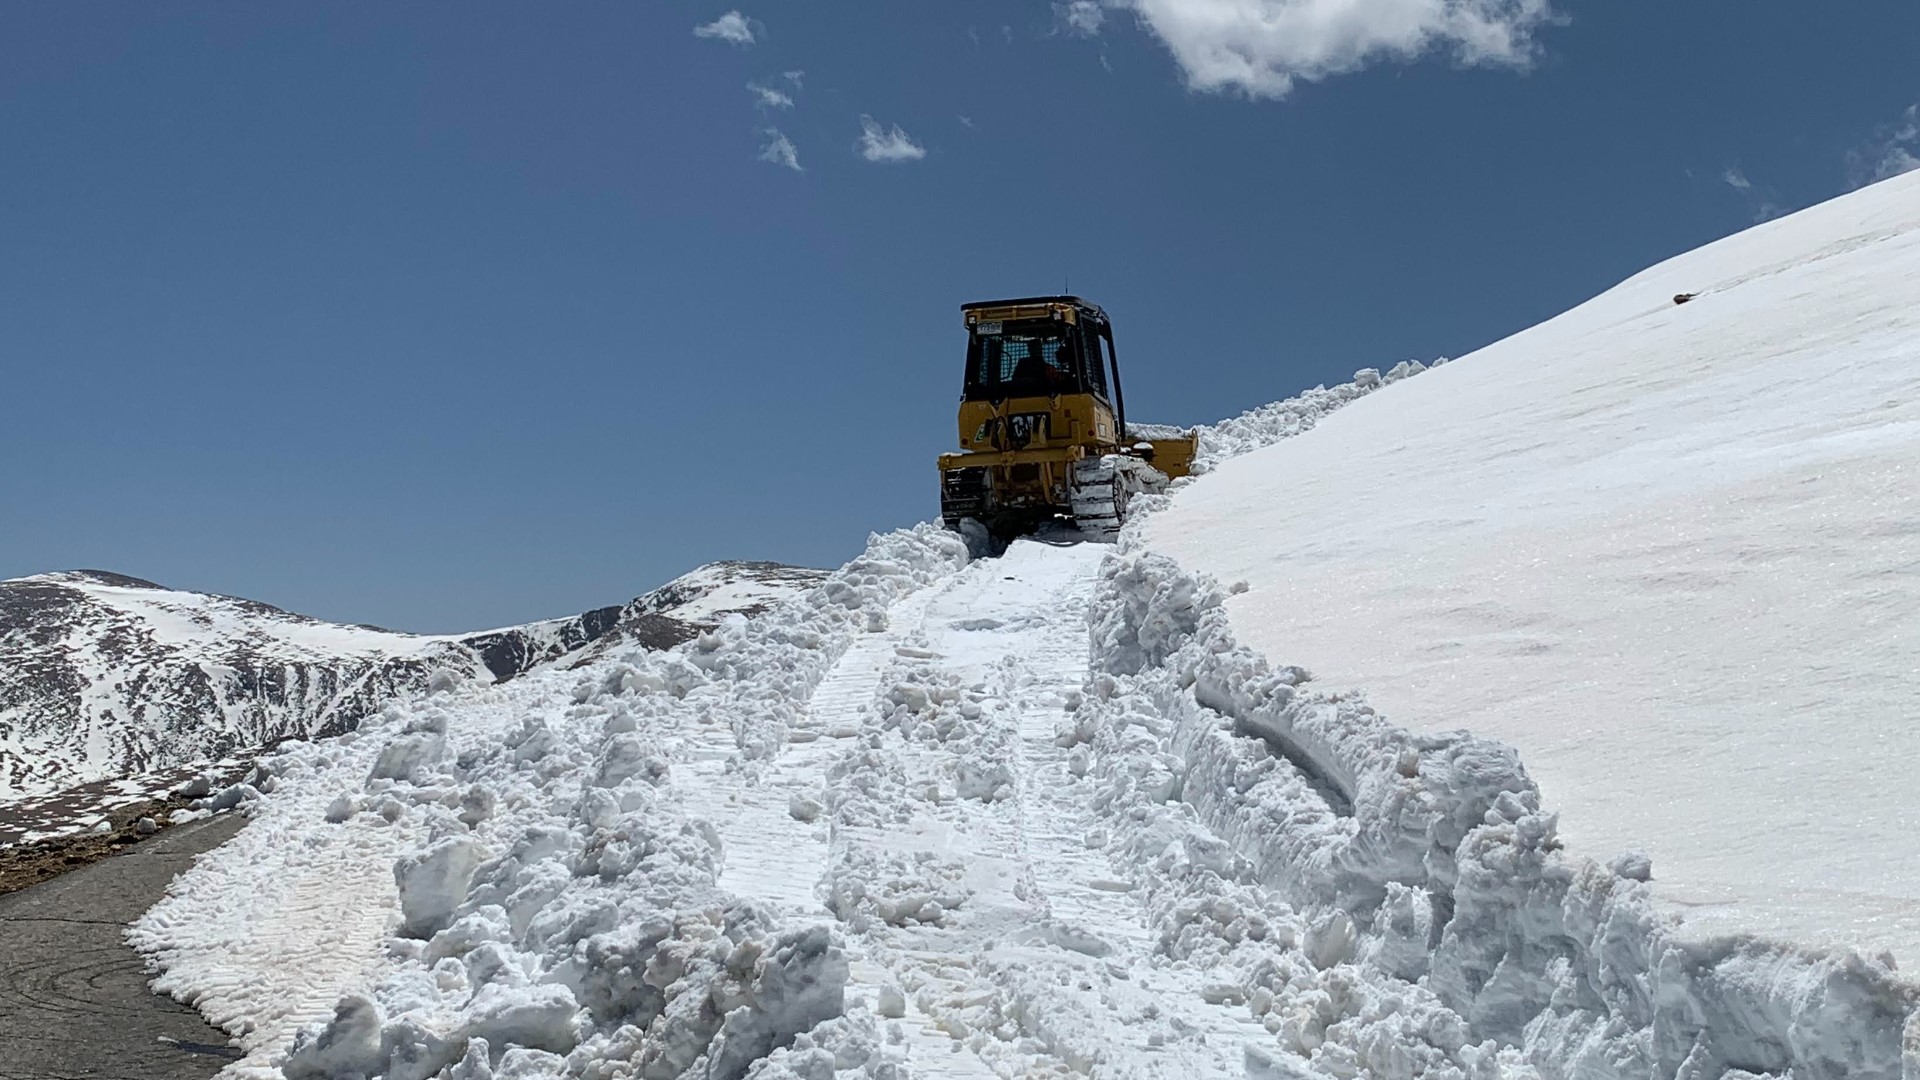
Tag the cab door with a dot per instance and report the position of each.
(1096, 347)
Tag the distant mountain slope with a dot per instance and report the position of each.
(659, 619)
(104, 675)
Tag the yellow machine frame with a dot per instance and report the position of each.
(1016, 467)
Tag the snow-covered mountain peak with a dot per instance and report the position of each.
(718, 588)
(86, 577)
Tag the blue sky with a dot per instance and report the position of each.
(445, 316)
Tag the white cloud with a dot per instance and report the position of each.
(1895, 161)
(965, 120)
(1760, 198)
(732, 27)
(780, 150)
(768, 98)
(1083, 17)
(794, 77)
(880, 145)
(1260, 47)
(1890, 152)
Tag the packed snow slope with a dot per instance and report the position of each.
(939, 816)
(1671, 552)
(104, 675)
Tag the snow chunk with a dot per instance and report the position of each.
(347, 1045)
(433, 884)
(407, 753)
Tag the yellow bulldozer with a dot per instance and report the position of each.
(1043, 424)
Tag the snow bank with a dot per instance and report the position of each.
(1271, 423)
(549, 908)
(1664, 550)
(1436, 927)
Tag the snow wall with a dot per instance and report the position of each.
(1429, 859)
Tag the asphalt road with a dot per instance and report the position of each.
(74, 1001)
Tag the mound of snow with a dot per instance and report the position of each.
(499, 880)
(1666, 550)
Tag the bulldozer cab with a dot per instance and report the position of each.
(1039, 348)
(1040, 371)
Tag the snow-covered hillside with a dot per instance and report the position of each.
(103, 675)
(1669, 551)
(1048, 814)
(921, 823)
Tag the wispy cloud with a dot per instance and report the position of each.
(1890, 152)
(794, 77)
(965, 120)
(1261, 47)
(1896, 161)
(768, 98)
(1083, 17)
(780, 150)
(732, 27)
(882, 145)
(1762, 200)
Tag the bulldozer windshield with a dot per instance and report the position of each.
(1031, 358)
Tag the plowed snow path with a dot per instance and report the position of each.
(1041, 958)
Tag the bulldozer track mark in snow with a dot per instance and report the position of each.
(327, 933)
(956, 844)
(1087, 912)
(776, 855)
(768, 852)
(315, 937)
(288, 945)
(844, 700)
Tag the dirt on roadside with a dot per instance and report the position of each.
(46, 836)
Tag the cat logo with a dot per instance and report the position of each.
(1024, 428)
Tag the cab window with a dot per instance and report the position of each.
(1096, 355)
(1010, 359)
